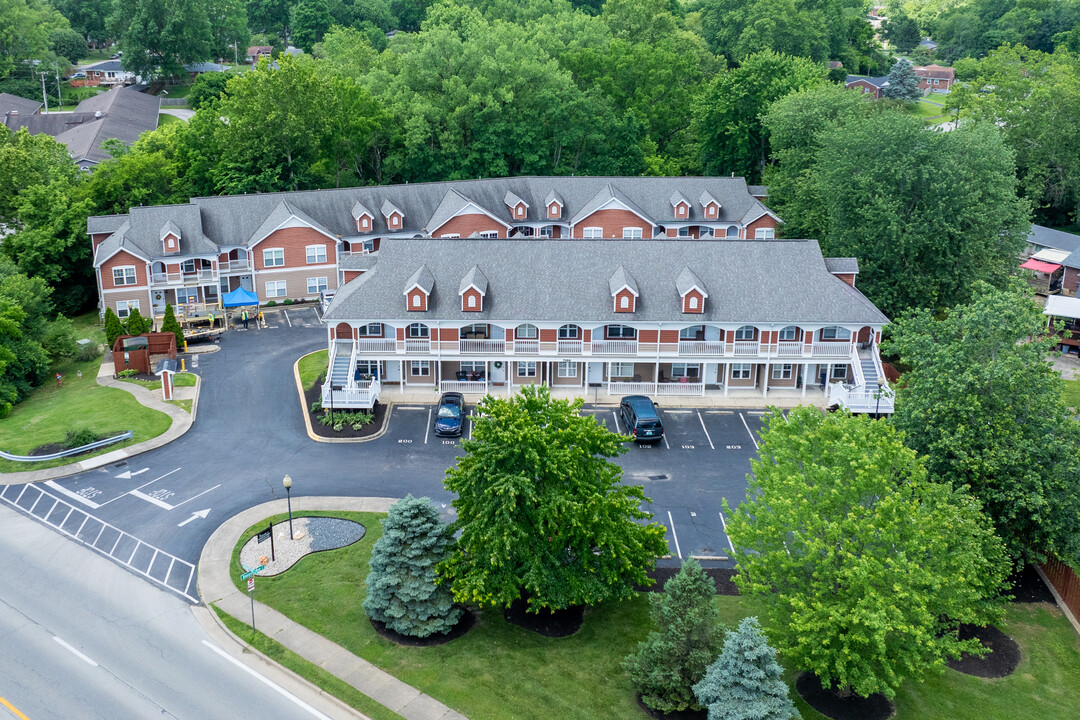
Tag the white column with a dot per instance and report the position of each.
(727, 377)
(765, 382)
(802, 369)
(401, 385)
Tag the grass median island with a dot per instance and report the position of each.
(1071, 393)
(498, 671)
(184, 379)
(312, 367)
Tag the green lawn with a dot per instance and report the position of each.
(50, 411)
(185, 405)
(498, 671)
(1071, 393)
(184, 379)
(89, 326)
(167, 119)
(177, 91)
(95, 56)
(312, 368)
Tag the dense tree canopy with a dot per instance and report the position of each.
(976, 27)
(25, 26)
(160, 37)
(864, 566)
(542, 511)
(984, 404)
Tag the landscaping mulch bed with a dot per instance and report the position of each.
(1028, 587)
(50, 448)
(680, 715)
(557, 623)
(1001, 661)
(721, 577)
(347, 431)
(468, 619)
(832, 705)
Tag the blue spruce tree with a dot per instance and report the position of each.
(746, 682)
(903, 82)
(402, 588)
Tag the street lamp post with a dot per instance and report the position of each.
(877, 407)
(287, 482)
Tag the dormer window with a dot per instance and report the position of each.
(418, 289)
(519, 212)
(554, 210)
(624, 291)
(472, 301)
(395, 221)
(170, 238)
(692, 302)
(624, 302)
(472, 290)
(417, 300)
(554, 205)
(692, 291)
(710, 210)
(394, 217)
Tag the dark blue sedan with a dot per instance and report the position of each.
(450, 416)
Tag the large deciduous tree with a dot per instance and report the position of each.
(404, 590)
(310, 21)
(729, 112)
(160, 37)
(541, 509)
(926, 213)
(984, 404)
(864, 566)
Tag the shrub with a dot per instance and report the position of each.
(404, 590)
(59, 340)
(87, 352)
(80, 437)
(136, 324)
(113, 327)
(171, 324)
(271, 303)
(316, 406)
(286, 301)
(130, 372)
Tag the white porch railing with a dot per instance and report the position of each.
(569, 347)
(361, 397)
(233, 265)
(746, 348)
(862, 399)
(481, 347)
(526, 347)
(417, 346)
(376, 345)
(836, 349)
(789, 348)
(630, 388)
(614, 347)
(706, 348)
(464, 386)
(665, 389)
(680, 388)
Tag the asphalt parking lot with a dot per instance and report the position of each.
(703, 460)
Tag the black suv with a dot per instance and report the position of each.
(450, 416)
(640, 420)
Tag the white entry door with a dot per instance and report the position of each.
(159, 302)
(596, 373)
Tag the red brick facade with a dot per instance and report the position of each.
(693, 302)
(612, 223)
(417, 300)
(765, 221)
(120, 259)
(465, 225)
(294, 241)
(624, 301)
(472, 300)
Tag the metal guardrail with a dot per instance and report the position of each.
(65, 453)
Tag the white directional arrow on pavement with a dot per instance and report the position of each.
(197, 514)
(127, 475)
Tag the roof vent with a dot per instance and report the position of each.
(97, 114)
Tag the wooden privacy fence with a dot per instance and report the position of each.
(1065, 581)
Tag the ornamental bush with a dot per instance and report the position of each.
(404, 590)
(113, 327)
(171, 324)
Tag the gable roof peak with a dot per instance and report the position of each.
(169, 228)
(622, 279)
(359, 210)
(687, 281)
(474, 278)
(706, 198)
(388, 208)
(676, 198)
(553, 197)
(422, 279)
(513, 200)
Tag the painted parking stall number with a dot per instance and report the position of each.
(734, 447)
(404, 441)
(89, 493)
(687, 447)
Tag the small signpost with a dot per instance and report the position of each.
(267, 533)
(250, 577)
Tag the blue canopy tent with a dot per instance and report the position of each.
(239, 297)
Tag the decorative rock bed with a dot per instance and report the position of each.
(310, 535)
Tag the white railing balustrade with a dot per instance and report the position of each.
(233, 265)
(417, 346)
(361, 397)
(615, 347)
(788, 348)
(464, 386)
(708, 348)
(746, 348)
(569, 347)
(526, 347)
(836, 349)
(480, 347)
(630, 388)
(680, 388)
(376, 345)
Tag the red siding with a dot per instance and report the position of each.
(647, 336)
(472, 293)
(294, 242)
(848, 278)
(613, 222)
(624, 293)
(343, 330)
(865, 87)
(351, 274)
(1070, 282)
(554, 211)
(363, 223)
(549, 336)
(466, 225)
(417, 292)
(765, 221)
(669, 336)
(700, 302)
(119, 259)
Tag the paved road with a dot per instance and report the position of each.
(82, 638)
(250, 432)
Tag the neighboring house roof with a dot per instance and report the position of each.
(13, 103)
(259, 49)
(573, 278)
(878, 82)
(232, 220)
(935, 71)
(758, 191)
(358, 262)
(1058, 239)
(205, 67)
(108, 66)
(844, 266)
(834, 64)
(474, 278)
(757, 210)
(104, 223)
(143, 228)
(928, 44)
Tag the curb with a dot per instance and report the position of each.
(60, 471)
(307, 416)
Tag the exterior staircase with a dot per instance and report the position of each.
(864, 395)
(342, 364)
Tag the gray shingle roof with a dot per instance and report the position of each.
(170, 227)
(452, 203)
(476, 278)
(512, 200)
(676, 198)
(553, 197)
(779, 281)
(706, 198)
(358, 262)
(104, 223)
(232, 220)
(621, 279)
(878, 82)
(687, 280)
(605, 195)
(1050, 238)
(846, 266)
(422, 279)
(14, 103)
(142, 232)
(758, 190)
(359, 210)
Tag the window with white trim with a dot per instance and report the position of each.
(764, 234)
(685, 370)
(691, 302)
(370, 330)
(746, 332)
(789, 333)
(682, 210)
(188, 266)
(471, 302)
(186, 295)
(419, 330)
(624, 302)
(451, 236)
(395, 221)
(732, 231)
(592, 233)
(273, 257)
(316, 254)
(526, 332)
(489, 234)
(684, 231)
(124, 275)
(620, 332)
(568, 332)
(526, 369)
(367, 367)
(369, 245)
(631, 233)
(420, 368)
(124, 307)
(478, 331)
(416, 300)
(690, 333)
(546, 231)
(835, 333)
(741, 371)
(622, 369)
(567, 369)
(276, 288)
(781, 372)
(838, 372)
(316, 285)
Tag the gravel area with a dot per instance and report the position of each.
(310, 535)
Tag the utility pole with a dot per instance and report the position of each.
(58, 87)
(43, 95)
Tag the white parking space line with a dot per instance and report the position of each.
(286, 314)
(616, 416)
(668, 447)
(64, 491)
(730, 544)
(752, 438)
(269, 683)
(428, 426)
(707, 436)
(678, 412)
(196, 496)
(317, 315)
(676, 537)
(469, 415)
(410, 407)
(152, 500)
(719, 412)
(75, 652)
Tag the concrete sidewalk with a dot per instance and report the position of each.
(181, 423)
(215, 586)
